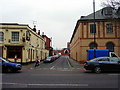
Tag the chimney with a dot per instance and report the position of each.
(42, 33)
(34, 29)
(38, 32)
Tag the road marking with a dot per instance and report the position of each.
(75, 85)
(114, 74)
(52, 67)
(69, 63)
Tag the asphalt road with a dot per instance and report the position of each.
(62, 73)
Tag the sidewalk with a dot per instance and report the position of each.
(75, 64)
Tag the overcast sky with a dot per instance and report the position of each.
(56, 18)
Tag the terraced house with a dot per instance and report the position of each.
(21, 40)
(107, 33)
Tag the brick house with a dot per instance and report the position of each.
(107, 33)
(48, 44)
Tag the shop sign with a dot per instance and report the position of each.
(28, 35)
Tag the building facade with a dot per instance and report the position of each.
(64, 51)
(106, 29)
(21, 40)
(48, 45)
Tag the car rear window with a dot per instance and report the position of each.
(104, 59)
(113, 59)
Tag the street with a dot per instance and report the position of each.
(62, 73)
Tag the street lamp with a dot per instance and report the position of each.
(94, 28)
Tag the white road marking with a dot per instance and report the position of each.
(47, 84)
(52, 67)
(114, 74)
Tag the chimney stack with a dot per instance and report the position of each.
(42, 33)
(34, 29)
(38, 32)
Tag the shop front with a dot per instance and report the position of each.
(14, 50)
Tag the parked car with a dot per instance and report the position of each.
(8, 66)
(56, 56)
(49, 59)
(103, 64)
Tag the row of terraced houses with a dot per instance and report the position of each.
(107, 33)
(23, 41)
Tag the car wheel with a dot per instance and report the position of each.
(97, 70)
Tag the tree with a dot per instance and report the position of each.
(111, 3)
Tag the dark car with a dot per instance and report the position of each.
(8, 66)
(103, 64)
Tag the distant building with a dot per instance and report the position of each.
(48, 44)
(107, 33)
(21, 40)
(64, 51)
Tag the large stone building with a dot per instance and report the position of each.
(21, 40)
(107, 33)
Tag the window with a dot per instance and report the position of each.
(108, 11)
(92, 45)
(29, 54)
(1, 37)
(12, 51)
(92, 28)
(113, 59)
(109, 28)
(15, 37)
(85, 23)
(104, 60)
(45, 39)
(110, 47)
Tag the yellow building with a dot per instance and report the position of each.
(21, 40)
(107, 33)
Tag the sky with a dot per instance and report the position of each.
(56, 18)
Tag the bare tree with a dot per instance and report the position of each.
(111, 3)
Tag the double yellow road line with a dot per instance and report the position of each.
(68, 62)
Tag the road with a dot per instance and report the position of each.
(62, 73)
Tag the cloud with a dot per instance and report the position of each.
(56, 18)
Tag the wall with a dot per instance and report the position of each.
(30, 49)
(82, 39)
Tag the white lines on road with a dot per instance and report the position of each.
(58, 75)
(73, 85)
(114, 74)
(52, 67)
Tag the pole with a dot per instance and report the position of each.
(51, 41)
(94, 29)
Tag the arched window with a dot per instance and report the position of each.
(92, 45)
(110, 46)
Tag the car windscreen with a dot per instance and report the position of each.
(6, 60)
(95, 59)
(48, 57)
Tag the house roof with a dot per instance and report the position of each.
(99, 16)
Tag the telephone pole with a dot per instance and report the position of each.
(94, 29)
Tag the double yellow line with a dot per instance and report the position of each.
(68, 62)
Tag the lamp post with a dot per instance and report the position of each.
(94, 28)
